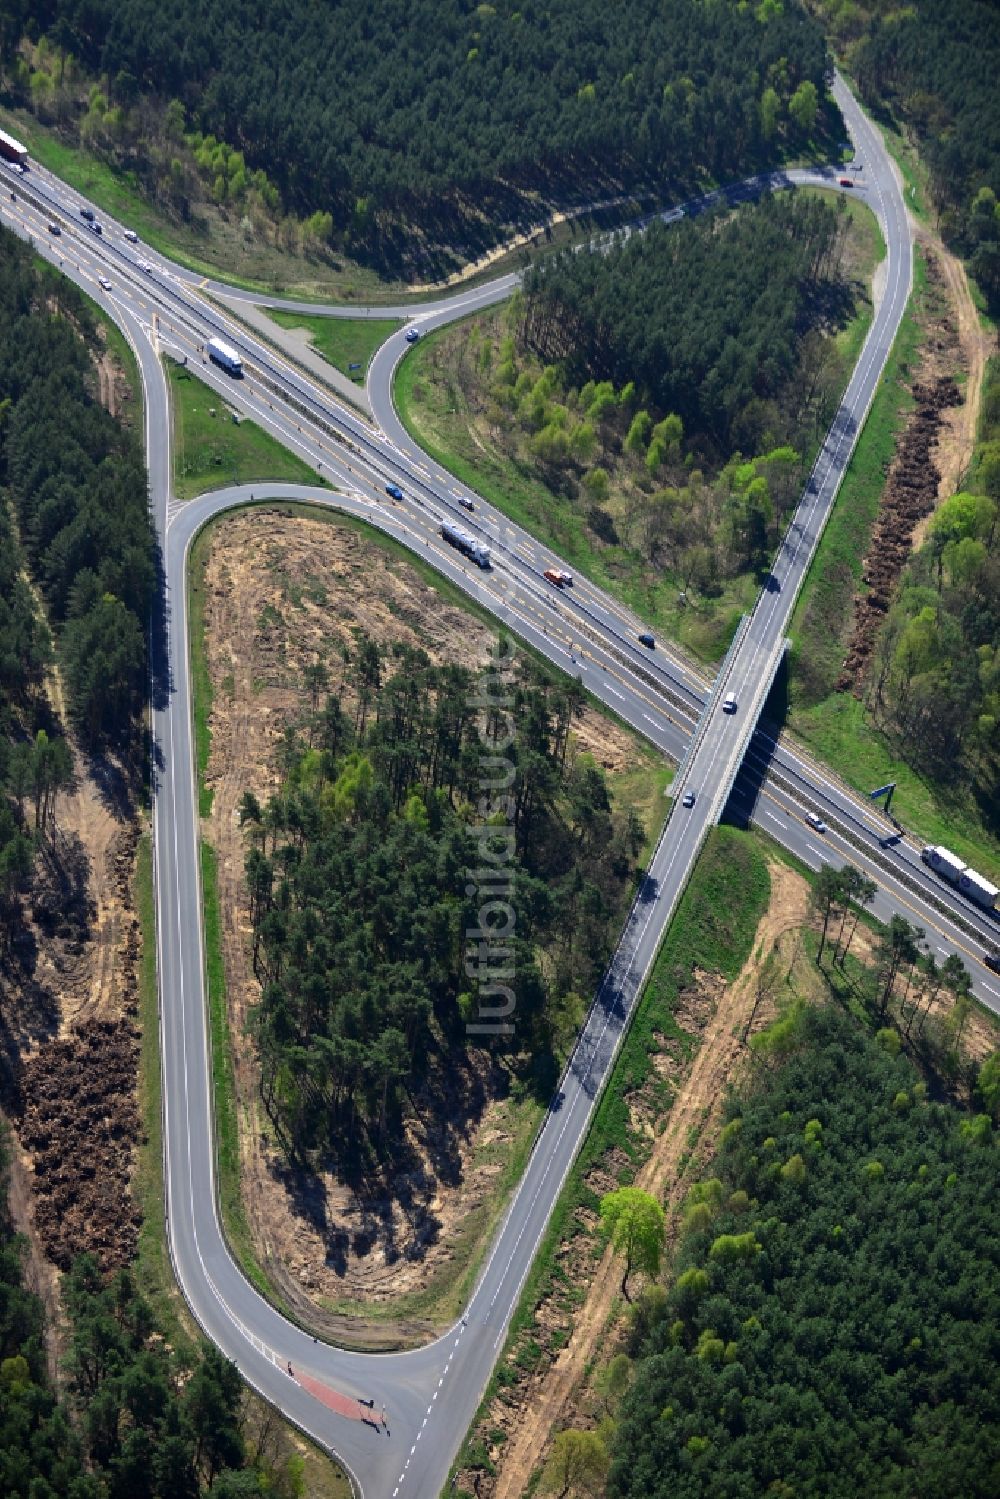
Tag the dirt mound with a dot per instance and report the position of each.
(80, 1122)
(73, 1088)
(910, 494)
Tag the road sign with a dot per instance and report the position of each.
(885, 791)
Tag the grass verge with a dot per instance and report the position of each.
(227, 1143)
(201, 681)
(822, 617)
(346, 343)
(212, 448)
(712, 930)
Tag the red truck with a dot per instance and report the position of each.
(12, 150)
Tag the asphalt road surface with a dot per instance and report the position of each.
(429, 1396)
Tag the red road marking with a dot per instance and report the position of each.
(341, 1405)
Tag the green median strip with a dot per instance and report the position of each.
(347, 343)
(214, 446)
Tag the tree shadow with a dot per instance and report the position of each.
(393, 1179)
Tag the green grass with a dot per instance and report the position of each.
(121, 351)
(838, 731)
(213, 450)
(916, 178)
(227, 1143)
(342, 342)
(201, 681)
(712, 930)
(867, 251)
(822, 617)
(432, 408)
(645, 788)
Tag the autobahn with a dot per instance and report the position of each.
(431, 1393)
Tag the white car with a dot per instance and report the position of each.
(144, 265)
(815, 821)
(687, 800)
(729, 703)
(131, 236)
(104, 283)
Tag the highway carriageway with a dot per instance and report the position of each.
(671, 686)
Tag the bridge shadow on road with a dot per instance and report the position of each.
(749, 782)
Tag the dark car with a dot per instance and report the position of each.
(647, 640)
(394, 492)
(54, 229)
(88, 214)
(466, 503)
(412, 334)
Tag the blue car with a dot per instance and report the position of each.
(394, 492)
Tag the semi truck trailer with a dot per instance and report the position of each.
(225, 357)
(465, 543)
(951, 868)
(12, 150)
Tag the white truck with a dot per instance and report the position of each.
(951, 868)
(225, 357)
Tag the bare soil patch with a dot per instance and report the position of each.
(957, 436)
(113, 390)
(719, 1017)
(281, 593)
(915, 481)
(73, 1044)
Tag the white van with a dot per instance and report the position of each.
(729, 703)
